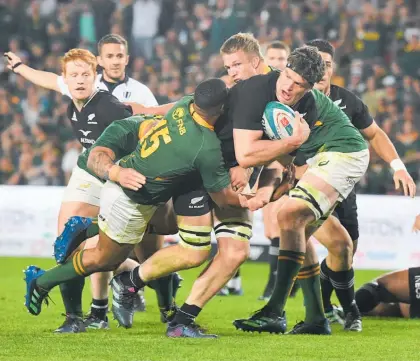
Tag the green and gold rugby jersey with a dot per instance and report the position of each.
(331, 129)
(170, 152)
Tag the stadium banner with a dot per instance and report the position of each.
(28, 223)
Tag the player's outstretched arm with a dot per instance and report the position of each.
(252, 151)
(41, 78)
(383, 146)
(152, 110)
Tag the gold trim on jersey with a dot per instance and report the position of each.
(266, 69)
(198, 119)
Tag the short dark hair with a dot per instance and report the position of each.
(322, 45)
(277, 44)
(308, 63)
(112, 39)
(210, 94)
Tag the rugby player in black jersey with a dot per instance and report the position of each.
(90, 112)
(343, 281)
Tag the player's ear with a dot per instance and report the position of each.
(128, 59)
(255, 62)
(99, 60)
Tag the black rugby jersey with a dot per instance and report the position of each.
(352, 105)
(97, 113)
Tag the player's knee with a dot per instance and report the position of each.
(234, 252)
(342, 249)
(367, 297)
(293, 217)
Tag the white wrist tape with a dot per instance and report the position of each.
(397, 164)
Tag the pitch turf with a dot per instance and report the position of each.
(25, 337)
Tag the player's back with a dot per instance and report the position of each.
(168, 149)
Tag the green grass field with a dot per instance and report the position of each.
(25, 337)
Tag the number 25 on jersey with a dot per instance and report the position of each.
(149, 135)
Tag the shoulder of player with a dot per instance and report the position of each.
(105, 99)
(338, 92)
(258, 84)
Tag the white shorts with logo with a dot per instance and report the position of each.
(83, 187)
(340, 170)
(120, 218)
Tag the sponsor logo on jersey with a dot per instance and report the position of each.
(178, 113)
(318, 123)
(101, 217)
(338, 103)
(417, 286)
(85, 132)
(90, 119)
(194, 202)
(87, 141)
(74, 118)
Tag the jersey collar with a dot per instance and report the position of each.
(198, 119)
(266, 69)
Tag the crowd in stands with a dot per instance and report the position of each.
(175, 44)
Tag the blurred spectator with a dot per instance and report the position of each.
(144, 31)
(174, 45)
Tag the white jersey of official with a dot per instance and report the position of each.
(128, 90)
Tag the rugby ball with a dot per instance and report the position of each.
(278, 120)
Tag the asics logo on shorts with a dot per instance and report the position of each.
(322, 163)
(194, 201)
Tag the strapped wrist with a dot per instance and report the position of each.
(19, 63)
(397, 165)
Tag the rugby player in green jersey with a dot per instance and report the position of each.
(168, 154)
(337, 157)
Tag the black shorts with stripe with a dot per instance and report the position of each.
(346, 212)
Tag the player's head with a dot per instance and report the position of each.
(210, 97)
(79, 72)
(327, 53)
(276, 54)
(304, 68)
(241, 55)
(113, 56)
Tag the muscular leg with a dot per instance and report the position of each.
(271, 230)
(389, 288)
(233, 230)
(71, 292)
(106, 256)
(192, 251)
(309, 280)
(231, 254)
(303, 211)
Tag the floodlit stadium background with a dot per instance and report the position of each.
(173, 46)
